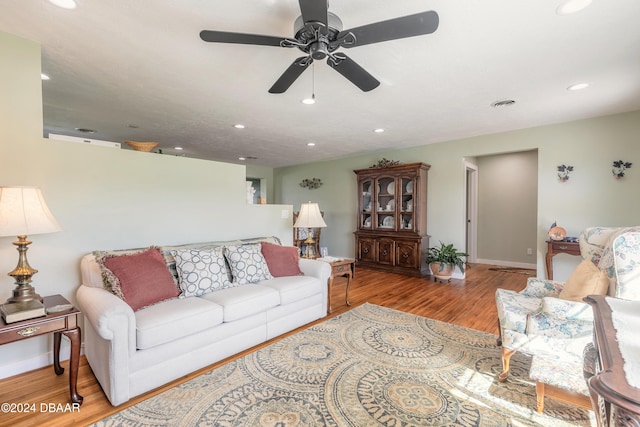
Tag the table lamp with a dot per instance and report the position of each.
(309, 217)
(23, 211)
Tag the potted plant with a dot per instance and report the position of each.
(444, 260)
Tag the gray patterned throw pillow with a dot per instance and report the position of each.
(201, 271)
(247, 264)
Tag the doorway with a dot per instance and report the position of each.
(471, 210)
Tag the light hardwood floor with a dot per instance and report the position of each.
(468, 303)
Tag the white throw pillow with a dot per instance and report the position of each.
(247, 264)
(201, 271)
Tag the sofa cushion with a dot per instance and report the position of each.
(281, 260)
(586, 279)
(294, 288)
(140, 278)
(173, 319)
(243, 301)
(247, 264)
(201, 271)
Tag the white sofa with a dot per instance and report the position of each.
(131, 352)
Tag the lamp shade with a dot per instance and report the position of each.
(309, 216)
(23, 211)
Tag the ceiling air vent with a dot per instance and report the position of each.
(503, 103)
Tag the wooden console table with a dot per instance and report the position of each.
(615, 401)
(60, 323)
(559, 247)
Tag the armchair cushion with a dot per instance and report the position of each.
(585, 280)
(566, 309)
(545, 324)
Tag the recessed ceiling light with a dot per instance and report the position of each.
(578, 86)
(503, 103)
(85, 130)
(242, 159)
(379, 130)
(65, 4)
(311, 144)
(238, 126)
(572, 6)
(177, 148)
(43, 76)
(309, 101)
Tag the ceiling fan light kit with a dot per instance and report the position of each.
(319, 33)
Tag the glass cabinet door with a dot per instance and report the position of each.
(406, 204)
(366, 204)
(386, 203)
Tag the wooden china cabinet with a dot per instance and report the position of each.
(391, 233)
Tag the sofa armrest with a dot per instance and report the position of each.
(319, 269)
(542, 288)
(110, 317)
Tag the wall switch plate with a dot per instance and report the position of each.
(285, 213)
(529, 251)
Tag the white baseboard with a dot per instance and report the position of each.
(37, 362)
(506, 263)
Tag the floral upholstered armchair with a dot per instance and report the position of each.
(546, 320)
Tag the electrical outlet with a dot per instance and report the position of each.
(529, 251)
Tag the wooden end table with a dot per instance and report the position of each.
(61, 323)
(559, 247)
(344, 267)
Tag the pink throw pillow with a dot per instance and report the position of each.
(144, 278)
(281, 260)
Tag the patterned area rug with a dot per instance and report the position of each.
(367, 367)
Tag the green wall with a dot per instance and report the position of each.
(591, 197)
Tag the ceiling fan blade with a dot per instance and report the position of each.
(240, 38)
(355, 73)
(314, 11)
(392, 29)
(291, 74)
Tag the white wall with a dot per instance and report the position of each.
(105, 198)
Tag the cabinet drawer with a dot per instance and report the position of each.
(340, 269)
(566, 247)
(33, 330)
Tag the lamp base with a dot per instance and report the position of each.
(310, 243)
(23, 294)
(17, 311)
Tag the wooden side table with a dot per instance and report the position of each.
(559, 247)
(60, 323)
(344, 267)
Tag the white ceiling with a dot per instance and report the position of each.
(118, 63)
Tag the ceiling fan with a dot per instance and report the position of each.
(319, 33)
